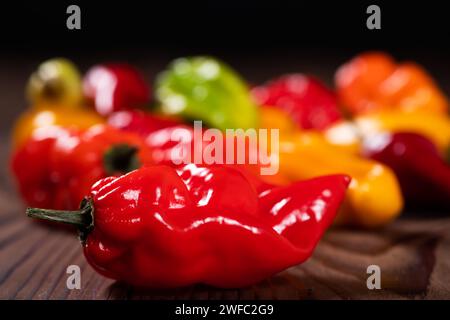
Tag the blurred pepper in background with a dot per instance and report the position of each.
(115, 87)
(435, 127)
(422, 171)
(55, 82)
(308, 102)
(31, 120)
(54, 92)
(65, 163)
(373, 81)
(374, 196)
(141, 122)
(204, 88)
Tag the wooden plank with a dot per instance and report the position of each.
(413, 256)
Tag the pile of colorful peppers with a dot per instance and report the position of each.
(104, 140)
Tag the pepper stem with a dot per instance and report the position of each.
(83, 218)
(121, 158)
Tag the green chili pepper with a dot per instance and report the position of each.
(203, 88)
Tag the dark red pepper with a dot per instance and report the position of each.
(423, 173)
(310, 103)
(159, 227)
(114, 87)
(56, 169)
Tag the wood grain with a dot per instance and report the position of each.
(413, 254)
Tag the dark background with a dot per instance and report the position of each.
(261, 39)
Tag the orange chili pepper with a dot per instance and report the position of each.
(373, 81)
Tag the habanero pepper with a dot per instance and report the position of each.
(204, 88)
(173, 143)
(435, 127)
(373, 81)
(56, 82)
(55, 94)
(341, 135)
(113, 87)
(374, 197)
(164, 228)
(141, 122)
(66, 163)
(178, 145)
(39, 117)
(309, 103)
(423, 173)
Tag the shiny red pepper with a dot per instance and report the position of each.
(162, 227)
(56, 167)
(141, 122)
(114, 87)
(423, 174)
(171, 142)
(175, 146)
(310, 104)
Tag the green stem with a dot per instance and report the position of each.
(121, 158)
(83, 218)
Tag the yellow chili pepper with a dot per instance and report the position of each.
(274, 118)
(374, 196)
(55, 82)
(343, 136)
(33, 119)
(436, 127)
(54, 91)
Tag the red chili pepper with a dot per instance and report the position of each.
(423, 174)
(175, 146)
(172, 143)
(141, 122)
(158, 227)
(310, 104)
(56, 167)
(31, 166)
(114, 87)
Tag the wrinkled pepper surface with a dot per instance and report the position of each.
(65, 163)
(159, 227)
(204, 88)
(309, 103)
(373, 81)
(423, 173)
